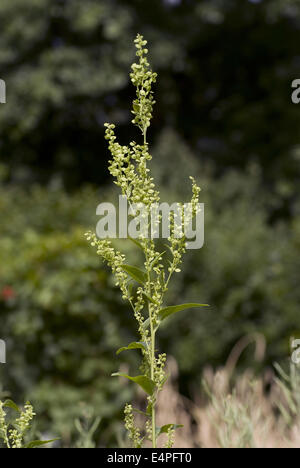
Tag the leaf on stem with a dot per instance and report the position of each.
(167, 311)
(166, 428)
(135, 410)
(136, 242)
(142, 380)
(39, 443)
(157, 259)
(134, 345)
(149, 299)
(135, 273)
(12, 405)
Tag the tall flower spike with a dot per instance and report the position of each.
(142, 78)
(144, 288)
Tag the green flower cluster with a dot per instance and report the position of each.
(142, 78)
(13, 431)
(129, 168)
(114, 259)
(14, 438)
(133, 432)
(22, 424)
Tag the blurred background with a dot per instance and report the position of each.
(223, 114)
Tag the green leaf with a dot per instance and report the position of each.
(39, 443)
(12, 405)
(164, 379)
(149, 410)
(146, 323)
(167, 311)
(135, 273)
(135, 410)
(157, 258)
(134, 345)
(149, 299)
(142, 380)
(164, 429)
(136, 242)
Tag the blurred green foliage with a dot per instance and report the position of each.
(225, 71)
(248, 269)
(63, 319)
(59, 312)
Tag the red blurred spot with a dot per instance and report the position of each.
(7, 293)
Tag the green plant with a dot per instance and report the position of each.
(231, 421)
(13, 431)
(289, 384)
(145, 289)
(86, 427)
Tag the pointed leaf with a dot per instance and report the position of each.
(135, 410)
(142, 380)
(149, 299)
(149, 410)
(136, 242)
(134, 345)
(39, 443)
(164, 429)
(157, 258)
(135, 273)
(146, 323)
(167, 311)
(12, 405)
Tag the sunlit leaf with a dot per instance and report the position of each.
(12, 405)
(134, 345)
(165, 429)
(135, 273)
(167, 311)
(142, 380)
(39, 443)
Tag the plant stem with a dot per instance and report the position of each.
(152, 378)
(152, 362)
(152, 347)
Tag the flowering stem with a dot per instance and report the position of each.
(129, 168)
(152, 378)
(152, 345)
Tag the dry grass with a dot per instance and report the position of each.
(251, 413)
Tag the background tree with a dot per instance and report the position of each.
(224, 114)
